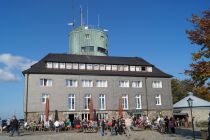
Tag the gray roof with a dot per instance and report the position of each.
(40, 67)
(197, 102)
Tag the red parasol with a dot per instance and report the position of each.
(47, 109)
(120, 111)
(91, 109)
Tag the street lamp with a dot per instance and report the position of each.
(190, 103)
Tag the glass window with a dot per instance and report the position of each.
(101, 83)
(87, 49)
(71, 101)
(89, 66)
(87, 101)
(82, 66)
(102, 67)
(102, 102)
(87, 83)
(123, 83)
(49, 65)
(44, 97)
(68, 65)
(143, 69)
(75, 65)
(157, 84)
(96, 66)
(55, 65)
(108, 67)
(120, 67)
(125, 101)
(114, 67)
(87, 36)
(149, 69)
(136, 84)
(158, 99)
(126, 68)
(62, 66)
(71, 83)
(132, 68)
(138, 68)
(46, 82)
(138, 102)
(102, 50)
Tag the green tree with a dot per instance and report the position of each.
(200, 67)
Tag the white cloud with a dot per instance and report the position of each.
(10, 65)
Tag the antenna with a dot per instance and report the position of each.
(87, 15)
(81, 14)
(98, 20)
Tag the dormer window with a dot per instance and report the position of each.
(87, 36)
(55, 65)
(138, 68)
(149, 69)
(49, 65)
(62, 66)
(143, 69)
(114, 67)
(132, 68)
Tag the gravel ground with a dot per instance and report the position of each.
(181, 134)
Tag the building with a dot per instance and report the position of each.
(200, 108)
(69, 80)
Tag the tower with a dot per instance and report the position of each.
(88, 40)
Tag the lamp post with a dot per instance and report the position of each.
(190, 103)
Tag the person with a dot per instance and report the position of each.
(1, 126)
(171, 125)
(113, 129)
(8, 125)
(14, 126)
(102, 126)
(128, 122)
(166, 124)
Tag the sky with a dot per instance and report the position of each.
(151, 29)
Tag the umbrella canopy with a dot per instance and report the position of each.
(120, 112)
(91, 109)
(56, 115)
(47, 109)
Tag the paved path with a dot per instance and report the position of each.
(181, 134)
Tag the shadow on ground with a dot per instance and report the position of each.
(187, 133)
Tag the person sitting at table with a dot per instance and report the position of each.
(57, 126)
(68, 124)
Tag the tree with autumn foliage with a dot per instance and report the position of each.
(200, 67)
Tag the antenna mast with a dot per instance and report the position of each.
(98, 20)
(87, 15)
(81, 16)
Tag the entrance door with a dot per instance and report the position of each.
(71, 117)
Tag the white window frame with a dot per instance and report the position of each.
(55, 65)
(62, 65)
(157, 84)
(95, 66)
(101, 83)
(149, 69)
(143, 68)
(71, 101)
(158, 99)
(138, 68)
(136, 84)
(102, 67)
(124, 83)
(89, 66)
(126, 68)
(46, 82)
(75, 66)
(82, 66)
(71, 83)
(102, 102)
(108, 67)
(114, 67)
(69, 66)
(87, 101)
(120, 67)
(132, 68)
(125, 105)
(44, 97)
(49, 65)
(138, 101)
(87, 83)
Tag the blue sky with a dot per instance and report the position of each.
(151, 29)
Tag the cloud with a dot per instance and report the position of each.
(11, 66)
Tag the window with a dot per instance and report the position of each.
(123, 83)
(44, 97)
(96, 66)
(49, 65)
(71, 101)
(87, 101)
(71, 83)
(87, 83)
(114, 67)
(46, 82)
(157, 84)
(120, 67)
(136, 84)
(55, 65)
(87, 36)
(126, 68)
(132, 68)
(87, 49)
(108, 67)
(68, 65)
(62, 66)
(75, 66)
(138, 101)
(149, 69)
(102, 50)
(138, 68)
(158, 99)
(143, 69)
(102, 67)
(102, 102)
(125, 101)
(82, 66)
(101, 83)
(89, 66)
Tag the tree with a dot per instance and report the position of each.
(200, 67)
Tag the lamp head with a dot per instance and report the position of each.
(190, 102)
